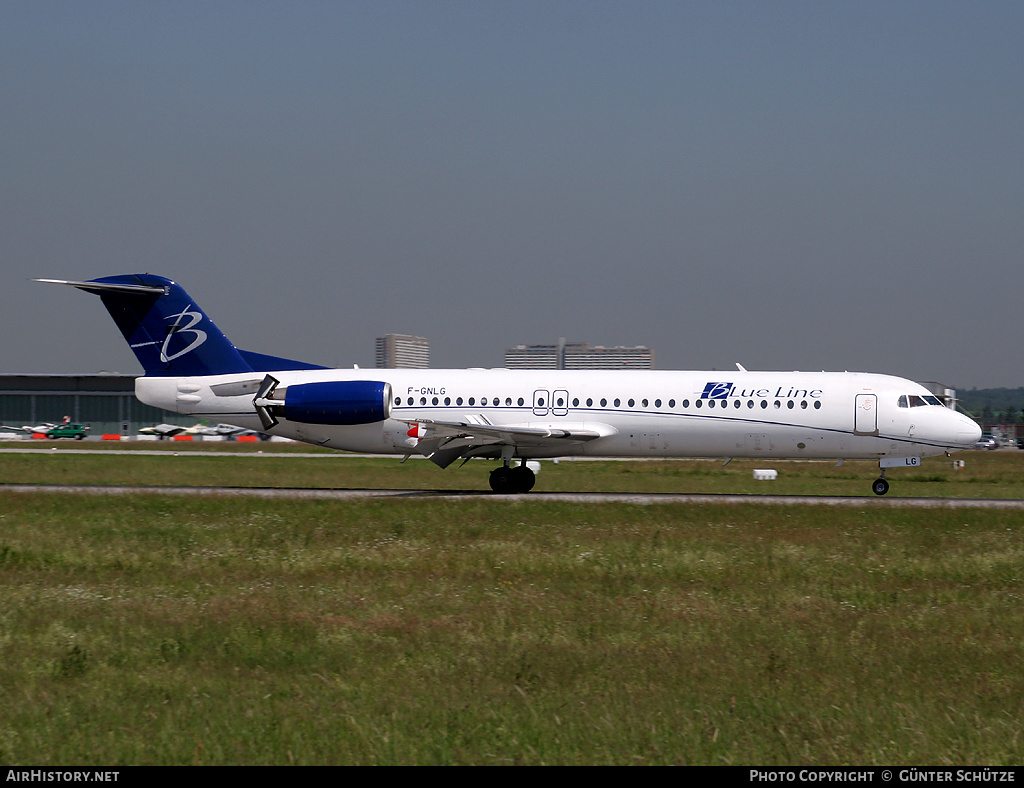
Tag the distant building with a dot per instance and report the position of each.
(942, 391)
(533, 357)
(400, 351)
(578, 355)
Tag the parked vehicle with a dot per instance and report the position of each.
(987, 442)
(67, 430)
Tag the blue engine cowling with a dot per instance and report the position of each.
(338, 402)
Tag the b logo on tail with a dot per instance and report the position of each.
(177, 328)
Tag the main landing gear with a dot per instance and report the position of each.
(512, 479)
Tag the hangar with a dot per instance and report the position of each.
(105, 401)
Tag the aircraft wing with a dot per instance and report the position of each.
(446, 441)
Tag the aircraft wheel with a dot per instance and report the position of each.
(502, 481)
(524, 479)
(880, 487)
(506, 480)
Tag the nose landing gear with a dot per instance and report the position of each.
(880, 486)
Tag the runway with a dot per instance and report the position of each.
(641, 499)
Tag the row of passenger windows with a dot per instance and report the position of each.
(558, 402)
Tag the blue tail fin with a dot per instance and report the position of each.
(169, 333)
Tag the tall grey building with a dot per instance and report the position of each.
(578, 355)
(396, 351)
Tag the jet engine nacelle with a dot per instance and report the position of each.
(327, 402)
(338, 402)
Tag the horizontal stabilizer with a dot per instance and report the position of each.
(108, 287)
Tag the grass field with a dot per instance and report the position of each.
(150, 629)
(986, 474)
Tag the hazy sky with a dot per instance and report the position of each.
(788, 185)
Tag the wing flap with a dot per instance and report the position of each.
(446, 441)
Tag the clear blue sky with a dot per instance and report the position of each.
(788, 185)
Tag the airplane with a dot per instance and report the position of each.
(63, 429)
(171, 430)
(518, 417)
(162, 430)
(30, 428)
(225, 430)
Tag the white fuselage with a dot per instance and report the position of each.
(635, 413)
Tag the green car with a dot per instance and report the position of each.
(69, 430)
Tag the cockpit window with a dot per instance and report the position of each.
(916, 401)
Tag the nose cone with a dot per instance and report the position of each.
(948, 429)
(967, 431)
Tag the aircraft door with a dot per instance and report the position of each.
(865, 414)
(541, 402)
(560, 403)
